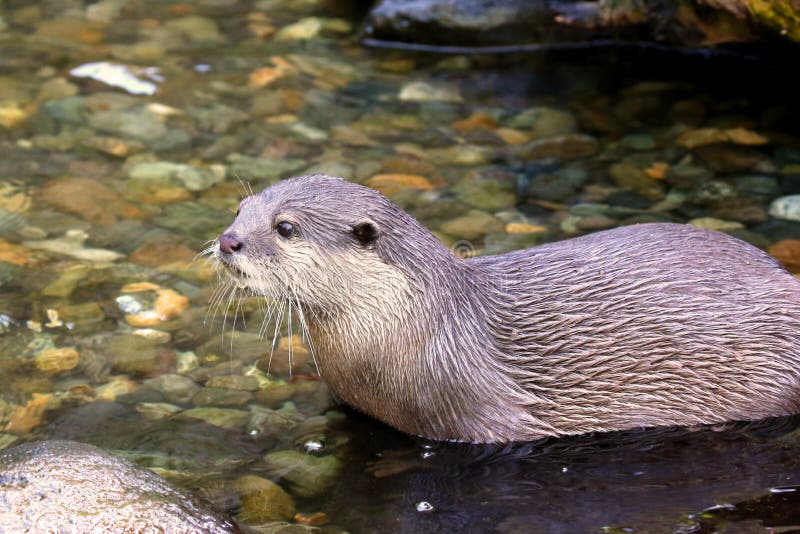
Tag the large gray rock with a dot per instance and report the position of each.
(533, 22)
(65, 486)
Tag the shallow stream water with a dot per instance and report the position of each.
(129, 131)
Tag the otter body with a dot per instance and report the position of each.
(644, 325)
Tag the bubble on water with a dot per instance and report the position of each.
(129, 304)
(313, 445)
(424, 506)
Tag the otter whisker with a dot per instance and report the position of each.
(289, 321)
(278, 322)
(304, 332)
(208, 249)
(219, 295)
(269, 312)
(236, 312)
(231, 298)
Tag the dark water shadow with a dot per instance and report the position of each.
(649, 481)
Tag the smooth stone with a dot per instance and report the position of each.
(115, 388)
(596, 222)
(155, 170)
(756, 185)
(114, 146)
(82, 318)
(308, 132)
(249, 168)
(563, 147)
(245, 346)
(218, 119)
(67, 281)
(213, 396)
(275, 395)
(787, 208)
(195, 28)
(262, 500)
(711, 192)
(49, 485)
(285, 361)
(175, 388)
(157, 410)
(544, 122)
(474, 225)
(392, 184)
(710, 223)
(173, 140)
(141, 124)
(428, 92)
(746, 210)
(728, 159)
(273, 423)
(87, 198)
(333, 168)
(130, 353)
(54, 361)
(307, 476)
(240, 382)
(708, 136)
(186, 362)
(500, 243)
(56, 88)
(106, 10)
(193, 218)
(787, 251)
(306, 28)
(488, 189)
(630, 176)
(639, 142)
(71, 244)
(558, 186)
(219, 417)
(461, 155)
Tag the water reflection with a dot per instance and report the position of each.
(650, 481)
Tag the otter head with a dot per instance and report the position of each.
(322, 242)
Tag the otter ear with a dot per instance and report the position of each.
(366, 232)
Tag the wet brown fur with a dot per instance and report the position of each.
(644, 325)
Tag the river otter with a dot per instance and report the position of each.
(644, 325)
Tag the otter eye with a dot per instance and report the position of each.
(285, 229)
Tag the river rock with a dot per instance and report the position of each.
(175, 388)
(239, 382)
(473, 225)
(219, 417)
(243, 167)
(53, 361)
(565, 147)
(488, 189)
(426, 92)
(787, 208)
(263, 500)
(50, 486)
(210, 396)
(543, 122)
(303, 29)
(630, 176)
(559, 185)
(307, 476)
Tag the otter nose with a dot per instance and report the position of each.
(229, 243)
